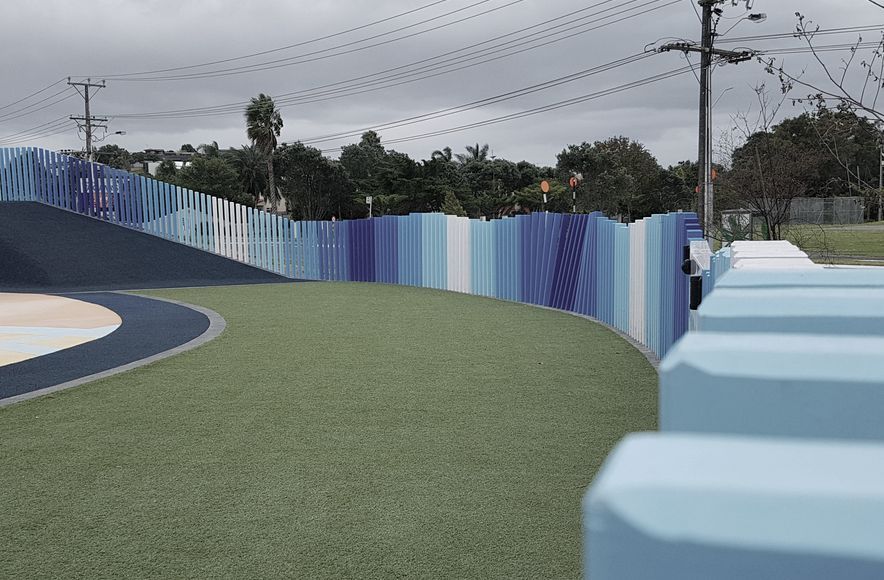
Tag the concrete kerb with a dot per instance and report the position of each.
(648, 353)
(217, 324)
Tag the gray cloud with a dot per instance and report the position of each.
(55, 39)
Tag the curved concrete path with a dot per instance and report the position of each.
(151, 329)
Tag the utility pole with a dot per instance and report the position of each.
(87, 121)
(705, 197)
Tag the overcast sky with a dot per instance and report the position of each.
(49, 40)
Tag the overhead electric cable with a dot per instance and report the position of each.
(14, 114)
(279, 49)
(454, 63)
(509, 95)
(321, 54)
(538, 110)
(34, 94)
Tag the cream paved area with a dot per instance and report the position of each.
(33, 325)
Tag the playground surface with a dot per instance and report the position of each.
(144, 328)
(33, 325)
(332, 431)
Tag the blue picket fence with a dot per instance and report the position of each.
(627, 276)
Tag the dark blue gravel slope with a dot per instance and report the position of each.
(45, 249)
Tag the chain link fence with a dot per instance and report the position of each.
(827, 210)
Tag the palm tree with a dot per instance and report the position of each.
(444, 154)
(263, 126)
(251, 166)
(473, 154)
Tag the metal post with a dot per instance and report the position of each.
(89, 155)
(88, 118)
(705, 165)
(880, 180)
(705, 197)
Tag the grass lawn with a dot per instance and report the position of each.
(840, 244)
(332, 431)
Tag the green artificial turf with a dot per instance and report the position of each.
(332, 431)
(840, 244)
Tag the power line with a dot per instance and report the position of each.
(52, 129)
(697, 12)
(538, 110)
(32, 129)
(34, 94)
(13, 114)
(793, 34)
(509, 95)
(46, 131)
(281, 48)
(299, 59)
(516, 46)
(821, 48)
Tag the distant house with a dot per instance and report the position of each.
(157, 156)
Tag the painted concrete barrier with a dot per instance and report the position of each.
(805, 310)
(680, 506)
(769, 255)
(804, 278)
(769, 460)
(774, 385)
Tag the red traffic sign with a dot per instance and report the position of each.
(573, 182)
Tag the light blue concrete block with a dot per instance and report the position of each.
(826, 277)
(794, 310)
(774, 384)
(682, 507)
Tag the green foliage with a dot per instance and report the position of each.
(620, 177)
(263, 126)
(315, 187)
(166, 171)
(473, 154)
(850, 144)
(529, 199)
(767, 173)
(443, 154)
(213, 176)
(364, 161)
(115, 156)
(452, 206)
(251, 167)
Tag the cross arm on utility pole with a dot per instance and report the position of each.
(730, 56)
(93, 119)
(708, 54)
(87, 119)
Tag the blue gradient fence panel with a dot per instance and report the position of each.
(627, 276)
